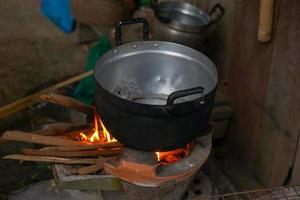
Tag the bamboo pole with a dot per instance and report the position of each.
(265, 24)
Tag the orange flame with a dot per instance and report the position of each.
(97, 135)
(169, 157)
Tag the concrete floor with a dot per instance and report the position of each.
(33, 53)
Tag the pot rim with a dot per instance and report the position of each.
(181, 7)
(128, 48)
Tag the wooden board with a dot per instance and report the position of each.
(247, 80)
(280, 125)
(264, 89)
(295, 178)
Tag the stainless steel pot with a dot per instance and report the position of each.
(184, 23)
(154, 95)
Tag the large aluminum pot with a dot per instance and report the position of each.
(184, 23)
(154, 95)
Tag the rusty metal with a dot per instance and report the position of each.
(152, 175)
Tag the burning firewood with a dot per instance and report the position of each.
(38, 139)
(68, 102)
(72, 154)
(63, 144)
(111, 145)
(70, 161)
(73, 144)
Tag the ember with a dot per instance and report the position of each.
(169, 157)
(97, 135)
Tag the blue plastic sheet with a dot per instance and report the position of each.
(59, 12)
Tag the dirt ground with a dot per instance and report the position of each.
(33, 53)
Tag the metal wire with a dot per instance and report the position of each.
(281, 193)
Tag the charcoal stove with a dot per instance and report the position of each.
(138, 175)
(143, 178)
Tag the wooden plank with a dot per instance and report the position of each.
(249, 67)
(280, 126)
(295, 178)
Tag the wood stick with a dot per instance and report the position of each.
(34, 98)
(90, 169)
(68, 102)
(85, 147)
(70, 161)
(60, 128)
(38, 139)
(265, 24)
(71, 154)
(74, 135)
(64, 144)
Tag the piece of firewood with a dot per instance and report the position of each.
(74, 135)
(71, 154)
(110, 145)
(90, 169)
(34, 98)
(68, 102)
(70, 161)
(60, 129)
(38, 139)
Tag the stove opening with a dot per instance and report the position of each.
(169, 157)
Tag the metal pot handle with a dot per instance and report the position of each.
(182, 93)
(155, 7)
(218, 16)
(120, 24)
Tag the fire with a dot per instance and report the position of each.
(97, 135)
(169, 157)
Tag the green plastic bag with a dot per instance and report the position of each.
(85, 89)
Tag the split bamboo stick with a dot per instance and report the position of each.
(38, 139)
(110, 145)
(61, 129)
(71, 154)
(68, 102)
(70, 161)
